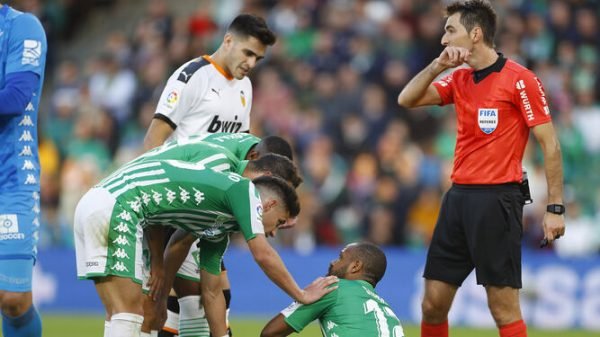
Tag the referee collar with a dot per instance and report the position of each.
(479, 75)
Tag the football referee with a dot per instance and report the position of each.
(497, 102)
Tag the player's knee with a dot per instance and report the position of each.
(433, 311)
(504, 313)
(15, 304)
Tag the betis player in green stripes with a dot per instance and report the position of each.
(110, 218)
(247, 146)
(352, 310)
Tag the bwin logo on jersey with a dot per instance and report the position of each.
(9, 228)
(32, 50)
(217, 125)
(487, 119)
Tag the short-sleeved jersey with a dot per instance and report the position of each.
(184, 195)
(194, 150)
(22, 49)
(494, 115)
(200, 98)
(238, 143)
(351, 310)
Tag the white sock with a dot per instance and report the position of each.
(153, 333)
(192, 321)
(125, 324)
(106, 328)
(172, 322)
(144, 334)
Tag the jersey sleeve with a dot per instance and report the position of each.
(298, 316)
(179, 94)
(26, 47)
(246, 206)
(445, 88)
(530, 99)
(211, 254)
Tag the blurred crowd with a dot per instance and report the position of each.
(371, 169)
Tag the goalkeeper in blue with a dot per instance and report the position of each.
(23, 55)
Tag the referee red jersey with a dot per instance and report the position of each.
(495, 108)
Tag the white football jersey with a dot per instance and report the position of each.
(200, 99)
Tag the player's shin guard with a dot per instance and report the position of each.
(125, 324)
(27, 325)
(192, 321)
(515, 329)
(172, 323)
(434, 330)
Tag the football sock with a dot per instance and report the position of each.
(106, 328)
(27, 325)
(125, 324)
(514, 329)
(192, 321)
(434, 330)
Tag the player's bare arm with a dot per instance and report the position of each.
(554, 224)
(155, 236)
(270, 262)
(158, 132)
(213, 302)
(175, 253)
(420, 90)
(277, 327)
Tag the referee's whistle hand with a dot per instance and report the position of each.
(554, 226)
(453, 57)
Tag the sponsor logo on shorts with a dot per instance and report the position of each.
(9, 228)
(92, 264)
(487, 118)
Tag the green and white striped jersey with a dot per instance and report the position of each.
(194, 150)
(351, 310)
(187, 196)
(238, 143)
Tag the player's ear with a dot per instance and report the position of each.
(228, 40)
(476, 34)
(252, 155)
(356, 266)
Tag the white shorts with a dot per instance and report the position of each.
(190, 269)
(105, 245)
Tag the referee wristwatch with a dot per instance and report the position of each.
(556, 209)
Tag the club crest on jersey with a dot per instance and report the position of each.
(243, 98)
(487, 118)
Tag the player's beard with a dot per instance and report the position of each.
(334, 272)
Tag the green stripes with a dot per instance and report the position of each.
(193, 328)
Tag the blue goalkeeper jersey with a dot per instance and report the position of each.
(22, 49)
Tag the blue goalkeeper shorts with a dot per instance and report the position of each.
(19, 227)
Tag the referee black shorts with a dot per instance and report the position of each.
(479, 226)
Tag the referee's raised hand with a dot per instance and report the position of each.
(453, 57)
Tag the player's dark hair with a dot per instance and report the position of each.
(275, 144)
(373, 259)
(246, 25)
(283, 190)
(279, 166)
(476, 13)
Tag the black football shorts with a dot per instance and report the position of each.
(479, 226)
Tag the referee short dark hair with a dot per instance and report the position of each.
(284, 192)
(373, 259)
(476, 13)
(251, 25)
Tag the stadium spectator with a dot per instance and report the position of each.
(480, 221)
(352, 310)
(23, 58)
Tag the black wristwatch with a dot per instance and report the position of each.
(555, 209)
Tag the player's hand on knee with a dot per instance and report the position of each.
(319, 288)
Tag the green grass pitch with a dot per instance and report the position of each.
(92, 326)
